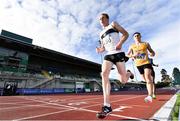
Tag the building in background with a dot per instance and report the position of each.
(31, 69)
(37, 67)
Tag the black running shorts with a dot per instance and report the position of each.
(141, 68)
(118, 57)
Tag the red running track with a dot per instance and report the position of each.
(126, 106)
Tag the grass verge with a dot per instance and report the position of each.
(175, 112)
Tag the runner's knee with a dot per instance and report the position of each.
(149, 82)
(123, 78)
(104, 74)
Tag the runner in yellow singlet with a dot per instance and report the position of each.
(153, 76)
(139, 51)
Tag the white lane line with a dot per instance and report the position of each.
(64, 99)
(142, 106)
(115, 115)
(75, 108)
(51, 103)
(16, 107)
(46, 114)
(114, 101)
(26, 106)
(14, 103)
(127, 117)
(83, 100)
(67, 100)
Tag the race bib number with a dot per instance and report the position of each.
(109, 43)
(141, 56)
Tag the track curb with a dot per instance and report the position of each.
(163, 114)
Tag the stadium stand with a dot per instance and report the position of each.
(40, 70)
(36, 70)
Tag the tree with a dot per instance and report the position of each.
(165, 77)
(176, 76)
(163, 72)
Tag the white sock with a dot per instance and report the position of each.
(107, 104)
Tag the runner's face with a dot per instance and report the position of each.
(103, 20)
(137, 37)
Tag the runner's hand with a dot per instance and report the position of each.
(151, 54)
(99, 49)
(118, 46)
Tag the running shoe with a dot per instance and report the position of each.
(126, 58)
(132, 75)
(105, 111)
(154, 96)
(148, 99)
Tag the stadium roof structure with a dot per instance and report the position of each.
(30, 49)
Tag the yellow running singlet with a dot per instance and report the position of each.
(141, 52)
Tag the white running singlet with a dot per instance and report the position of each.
(110, 40)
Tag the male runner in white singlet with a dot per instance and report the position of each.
(112, 43)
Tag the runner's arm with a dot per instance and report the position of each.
(101, 48)
(129, 53)
(124, 33)
(152, 53)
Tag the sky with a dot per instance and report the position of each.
(72, 26)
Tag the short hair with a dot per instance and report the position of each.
(137, 33)
(105, 14)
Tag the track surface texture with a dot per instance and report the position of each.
(127, 105)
